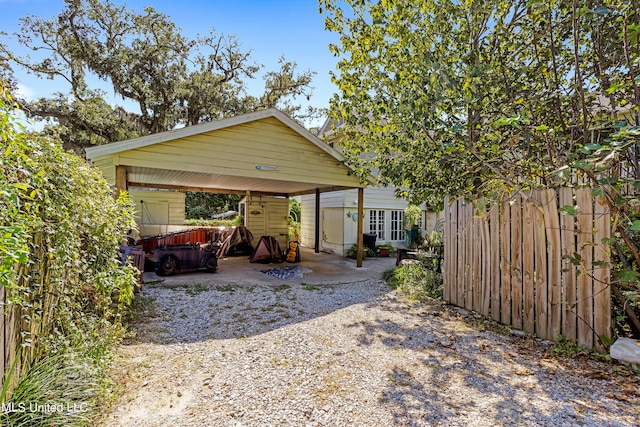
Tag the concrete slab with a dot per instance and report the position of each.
(325, 269)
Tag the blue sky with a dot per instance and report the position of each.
(270, 28)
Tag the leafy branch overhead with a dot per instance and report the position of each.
(163, 78)
(484, 98)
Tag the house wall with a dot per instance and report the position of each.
(267, 216)
(338, 227)
(236, 151)
(158, 212)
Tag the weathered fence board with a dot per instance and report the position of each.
(513, 263)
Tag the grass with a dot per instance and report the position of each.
(282, 287)
(58, 390)
(309, 287)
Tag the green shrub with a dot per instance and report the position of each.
(416, 280)
(228, 223)
(353, 250)
(60, 232)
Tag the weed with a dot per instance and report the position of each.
(416, 281)
(282, 287)
(568, 349)
(308, 287)
(225, 288)
(195, 289)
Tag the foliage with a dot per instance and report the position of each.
(566, 348)
(352, 252)
(416, 280)
(434, 239)
(227, 223)
(485, 98)
(293, 221)
(204, 205)
(412, 216)
(65, 383)
(389, 246)
(170, 79)
(295, 210)
(61, 229)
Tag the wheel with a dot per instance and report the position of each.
(166, 265)
(212, 264)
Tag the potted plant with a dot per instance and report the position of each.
(412, 216)
(385, 250)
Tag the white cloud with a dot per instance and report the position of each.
(25, 91)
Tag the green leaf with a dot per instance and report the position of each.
(592, 146)
(597, 192)
(628, 276)
(635, 226)
(569, 210)
(602, 10)
(542, 128)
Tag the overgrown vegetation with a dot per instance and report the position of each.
(418, 281)
(237, 220)
(490, 98)
(60, 230)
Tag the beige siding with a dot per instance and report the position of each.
(105, 164)
(377, 198)
(332, 230)
(155, 209)
(267, 216)
(237, 150)
(308, 220)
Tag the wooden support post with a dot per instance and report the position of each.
(121, 179)
(317, 230)
(360, 222)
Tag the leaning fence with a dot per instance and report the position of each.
(537, 261)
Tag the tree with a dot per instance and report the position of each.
(453, 97)
(486, 98)
(170, 79)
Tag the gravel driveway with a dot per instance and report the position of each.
(349, 354)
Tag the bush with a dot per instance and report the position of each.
(416, 280)
(228, 223)
(60, 232)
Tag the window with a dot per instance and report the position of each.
(376, 223)
(397, 229)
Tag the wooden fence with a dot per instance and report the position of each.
(510, 262)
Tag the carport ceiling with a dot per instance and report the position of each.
(263, 152)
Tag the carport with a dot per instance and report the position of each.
(261, 153)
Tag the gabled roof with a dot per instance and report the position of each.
(263, 152)
(143, 141)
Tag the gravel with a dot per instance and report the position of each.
(349, 354)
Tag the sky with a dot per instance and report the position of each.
(269, 28)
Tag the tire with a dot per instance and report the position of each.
(211, 264)
(166, 265)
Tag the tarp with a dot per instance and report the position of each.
(267, 250)
(235, 237)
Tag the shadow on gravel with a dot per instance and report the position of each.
(458, 360)
(199, 312)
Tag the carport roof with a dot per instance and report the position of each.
(264, 152)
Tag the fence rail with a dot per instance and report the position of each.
(524, 263)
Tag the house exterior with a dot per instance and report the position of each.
(383, 214)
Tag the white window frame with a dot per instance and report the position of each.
(377, 223)
(397, 226)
